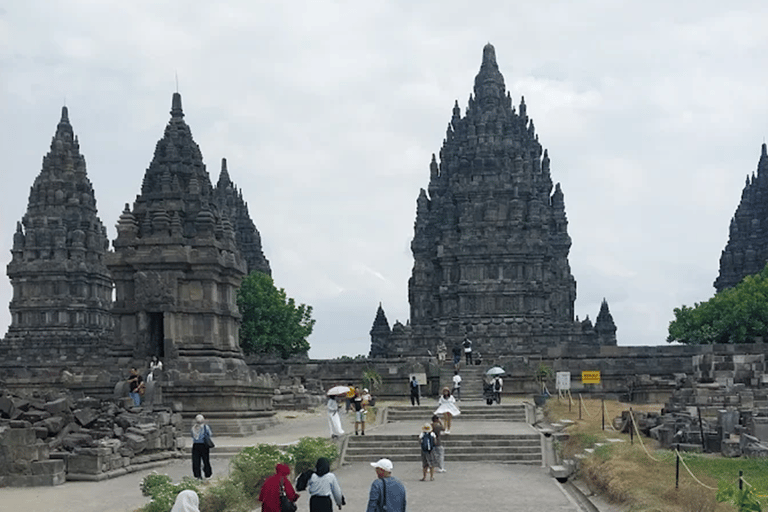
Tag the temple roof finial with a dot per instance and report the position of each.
(65, 116)
(176, 111)
(489, 55)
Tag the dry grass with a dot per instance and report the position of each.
(624, 473)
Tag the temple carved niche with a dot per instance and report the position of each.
(62, 290)
(491, 241)
(746, 252)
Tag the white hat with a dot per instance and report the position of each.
(199, 418)
(384, 464)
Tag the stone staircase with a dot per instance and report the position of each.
(471, 380)
(476, 411)
(517, 447)
(503, 449)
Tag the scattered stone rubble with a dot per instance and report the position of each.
(291, 394)
(46, 439)
(734, 419)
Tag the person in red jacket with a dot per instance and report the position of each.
(269, 496)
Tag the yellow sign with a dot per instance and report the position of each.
(590, 377)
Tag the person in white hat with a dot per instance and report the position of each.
(387, 492)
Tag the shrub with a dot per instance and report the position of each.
(163, 491)
(253, 465)
(306, 452)
(225, 496)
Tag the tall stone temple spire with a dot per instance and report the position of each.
(746, 252)
(491, 242)
(177, 268)
(62, 290)
(231, 204)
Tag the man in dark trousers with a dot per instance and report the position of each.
(468, 350)
(414, 385)
(456, 357)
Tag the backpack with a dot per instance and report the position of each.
(496, 385)
(427, 442)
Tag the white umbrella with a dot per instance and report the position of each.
(339, 390)
(496, 370)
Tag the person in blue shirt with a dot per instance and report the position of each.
(386, 491)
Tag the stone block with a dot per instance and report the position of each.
(57, 406)
(54, 424)
(87, 403)
(77, 440)
(85, 417)
(85, 464)
(18, 436)
(47, 467)
(41, 431)
(760, 428)
(7, 407)
(135, 442)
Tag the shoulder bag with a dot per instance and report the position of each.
(384, 493)
(286, 505)
(207, 438)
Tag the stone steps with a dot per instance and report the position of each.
(512, 449)
(475, 412)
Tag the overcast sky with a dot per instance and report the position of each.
(328, 113)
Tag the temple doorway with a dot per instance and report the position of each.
(156, 335)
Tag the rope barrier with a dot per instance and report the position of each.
(691, 473)
(742, 479)
(584, 406)
(610, 423)
(640, 438)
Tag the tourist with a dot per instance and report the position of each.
(456, 357)
(186, 501)
(414, 385)
(446, 406)
(456, 385)
(154, 364)
(269, 495)
(467, 344)
(441, 352)
(359, 406)
(201, 452)
(136, 384)
(437, 429)
(427, 440)
(498, 384)
(367, 398)
(349, 397)
(334, 420)
(322, 486)
(387, 492)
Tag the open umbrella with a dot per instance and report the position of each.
(339, 390)
(496, 370)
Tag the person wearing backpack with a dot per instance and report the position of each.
(427, 440)
(498, 384)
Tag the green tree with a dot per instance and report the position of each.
(735, 315)
(272, 322)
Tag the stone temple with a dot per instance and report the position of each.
(747, 249)
(180, 254)
(491, 242)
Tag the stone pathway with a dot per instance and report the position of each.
(465, 486)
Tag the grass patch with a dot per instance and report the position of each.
(625, 473)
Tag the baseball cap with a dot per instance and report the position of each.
(384, 464)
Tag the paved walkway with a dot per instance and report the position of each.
(465, 486)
